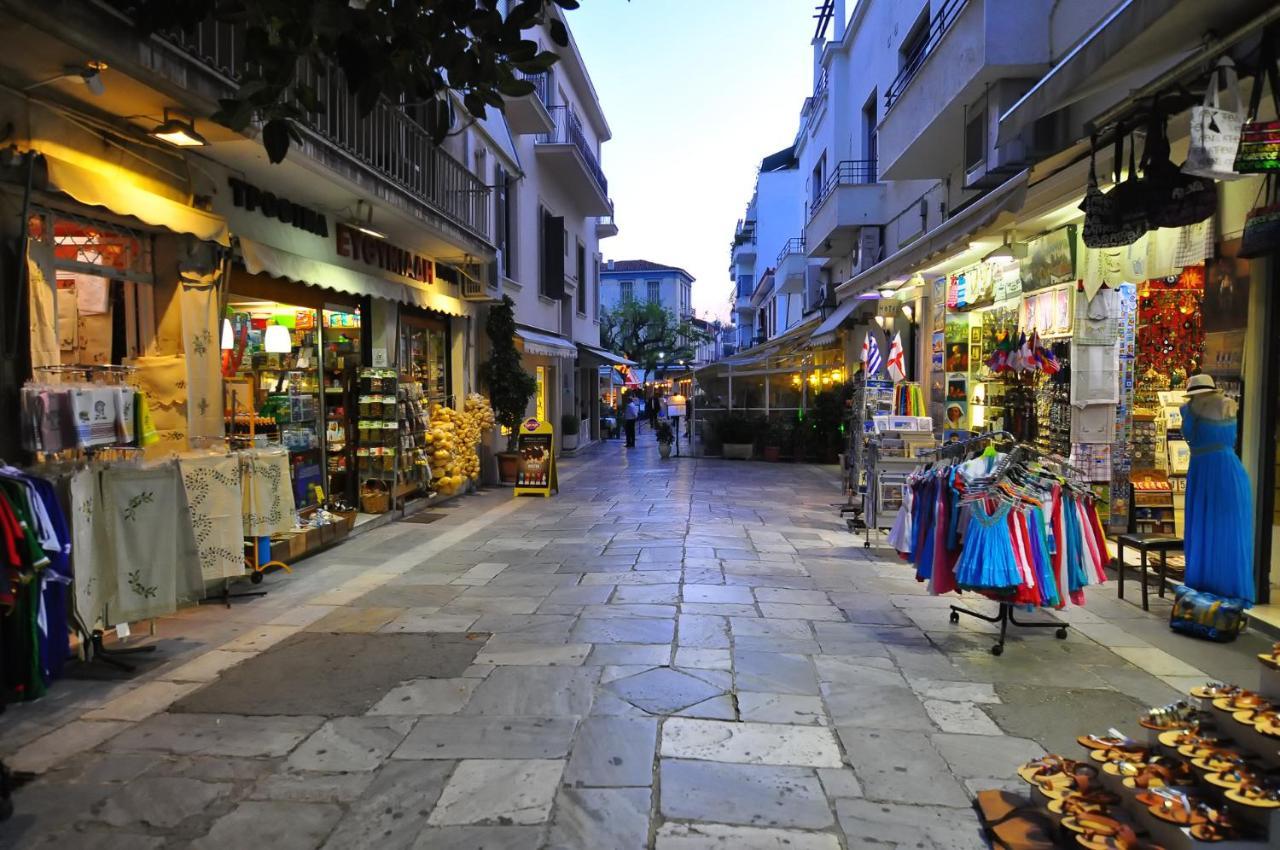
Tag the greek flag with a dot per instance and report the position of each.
(871, 355)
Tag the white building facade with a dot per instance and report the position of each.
(646, 281)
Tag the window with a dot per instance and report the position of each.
(975, 139)
(869, 142)
(819, 178)
(504, 218)
(595, 283)
(744, 286)
(582, 279)
(551, 279)
(654, 290)
(911, 53)
(627, 290)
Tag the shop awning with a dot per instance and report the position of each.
(263, 259)
(546, 345)
(826, 332)
(591, 352)
(98, 183)
(987, 211)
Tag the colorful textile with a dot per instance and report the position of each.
(1219, 510)
(214, 499)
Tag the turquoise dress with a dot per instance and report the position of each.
(1219, 520)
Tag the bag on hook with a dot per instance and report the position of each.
(1119, 217)
(1174, 198)
(1262, 225)
(1215, 130)
(1259, 151)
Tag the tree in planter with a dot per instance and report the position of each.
(510, 386)
(419, 52)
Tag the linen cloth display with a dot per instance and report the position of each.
(201, 333)
(1097, 319)
(1095, 375)
(214, 499)
(42, 300)
(163, 380)
(267, 493)
(1094, 423)
(94, 588)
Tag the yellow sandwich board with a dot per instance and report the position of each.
(536, 467)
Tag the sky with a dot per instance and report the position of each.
(696, 93)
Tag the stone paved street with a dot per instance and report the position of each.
(671, 654)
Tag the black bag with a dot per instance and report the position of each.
(1119, 217)
(1174, 199)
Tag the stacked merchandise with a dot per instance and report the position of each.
(378, 425)
(908, 400)
(1206, 772)
(1123, 450)
(82, 416)
(415, 472)
(1095, 381)
(455, 442)
(1054, 405)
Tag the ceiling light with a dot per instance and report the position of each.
(277, 340)
(179, 131)
(363, 220)
(1007, 251)
(228, 336)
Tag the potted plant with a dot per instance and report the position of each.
(666, 437)
(737, 433)
(777, 435)
(570, 425)
(510, 386)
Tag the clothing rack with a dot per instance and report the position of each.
(1017, 454)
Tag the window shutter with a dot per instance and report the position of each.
(553, 256)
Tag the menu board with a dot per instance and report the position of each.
(536, 465)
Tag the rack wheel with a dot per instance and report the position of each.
(998, 649)
(955, 617)
(866, 544)
(1060, 634)
(255, 577)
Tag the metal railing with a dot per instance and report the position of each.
(794, 245)
(746, 233)
(938, 26)
(568, 131)
(541, 86)
(813, 103)
(388, 140)
(849, 172)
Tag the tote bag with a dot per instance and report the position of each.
(1215, 129)
(1259, 151)
(1118, 217)
(1173, 197)
(1262, 225)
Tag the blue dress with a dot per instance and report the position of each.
(1219, 519)
(987, 561)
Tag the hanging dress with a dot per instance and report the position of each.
(1219, 515)
(987, 562)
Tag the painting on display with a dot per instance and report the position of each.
(938, 302)
(1226, 290)
(1048, 312)
(1050, 260)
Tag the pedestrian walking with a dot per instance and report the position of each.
(629, 416)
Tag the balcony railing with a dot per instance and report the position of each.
(794, 245)
(388, 140)
(813, 103)
(568, 131)
(849, 172)
(938, 26)
(540, 84)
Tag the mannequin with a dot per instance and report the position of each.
(1219, 514)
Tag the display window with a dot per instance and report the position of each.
(424, 355)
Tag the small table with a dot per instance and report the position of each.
(1145, 544)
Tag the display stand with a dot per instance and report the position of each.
(1005, 618)
(536, 466)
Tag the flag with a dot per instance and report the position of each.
(871, 355)
(895, 364)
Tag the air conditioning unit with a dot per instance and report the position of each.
(987, 164)
(479, 280)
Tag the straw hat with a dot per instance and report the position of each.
(1199, 384)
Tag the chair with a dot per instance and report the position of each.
(1146, 544)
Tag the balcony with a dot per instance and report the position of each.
(528, 115)
(386, 142)
(743, 248)
(606, 226)
(849, 200)
(566, 152)
(969, 45)
(791, 264)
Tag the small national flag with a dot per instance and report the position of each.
(871, 355)
(895, 365)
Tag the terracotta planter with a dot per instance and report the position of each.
(508, 463)
(772, 453)
(664, 449)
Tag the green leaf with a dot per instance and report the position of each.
(277, 134)
(525, 13)
(516, 87)
(559, 32)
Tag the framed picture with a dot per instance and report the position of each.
(1050, 260)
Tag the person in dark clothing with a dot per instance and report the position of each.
(629, 416)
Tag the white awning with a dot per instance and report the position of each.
(606, 356)
(263, 259)
(987, 211)
(546, 345)
(826, 332)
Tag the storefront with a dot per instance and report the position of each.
(551, 360)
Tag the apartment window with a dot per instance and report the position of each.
(911, 53)
(582, 279)
(975, 139)
(627, 290)
(551, 279)
(744, 285)
(504, 218)
(654, 290)
(819, 178)
(869, 142)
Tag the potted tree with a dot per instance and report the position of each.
(666, 437)
(570, 425)
(510, 386)
(777, 435)
(737, 433)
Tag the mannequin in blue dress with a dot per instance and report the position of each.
(1219, 515)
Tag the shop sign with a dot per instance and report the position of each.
(370, 250)
(536, 465)
(250, 198)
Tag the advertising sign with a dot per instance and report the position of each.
(536, 466)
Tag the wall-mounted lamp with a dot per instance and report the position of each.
(179, 130)
(228, 335)
(90, 73)
(1006, 252)
(909, 312)
(363, 220)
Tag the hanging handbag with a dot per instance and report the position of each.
(1262, 224)
(1173, 197)
(1259, 151)
(1201, 614)
(1118, 217)
(1215, 130)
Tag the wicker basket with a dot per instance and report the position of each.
(375, 497)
